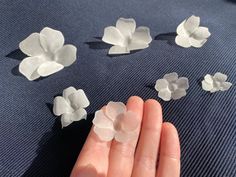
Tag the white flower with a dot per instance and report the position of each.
(46, 52)
(191, 34)
(71, 105)
(172, 87)
(215, 83)
(114, 121)
(125, 37)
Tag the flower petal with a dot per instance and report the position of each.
(207, 86)
(78, 99)
(179, 93)
(182, 41)
(225, 86)
(165, 94)
(201, 33)
(192, 23)
(114, 109)
(28, 67)
(209, 79)
(220, 77)
(126, 26)
(161, 84)
(137, 45)
(61, 106)
(48, 68)
(66, 55)
(113, 36)
(68, 91)
(171, 77)
(118, 50)
(102, 121)
(182, 83)
(197, 43)
(65, 120)
(181, 29)
(104, 134)
(31, 45)
(51, 39)
(128, 121)
(142, 33)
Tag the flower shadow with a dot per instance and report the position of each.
(169, 37)
(151, 86)
(59, 148)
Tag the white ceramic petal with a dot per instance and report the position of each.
(142, 33)
(66, 55)
(65, 120)
(220, 77)
(191, 24)
(124, 137)
(126, 26)
(137, 45)
(102, 121)
(118, 50)
(78, 99)
(48, 68)
(181, 29)
(51, 39)
(161, 84)
(61, 106)
(197, 43)
(78, 115)
(165, 94)
(182, 83)
(28, 67)
(114, 109)
(182, 41)
(128, 121)
(171, 77)
(179, 93)
(113, 36)
(104, 134)
(207, 86)
(31, 45)
(225, 86)
(209, 79)
(68, 91)
(201, 33)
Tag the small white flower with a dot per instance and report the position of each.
(191, 34)
(47, 54)
(125, 37)
(172, 87)
(215, 83)
(71, 105)
(114, 121)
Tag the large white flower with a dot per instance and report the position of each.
(47, 54)
(189, 33)
(114, 121)
(215, 83)
(125, 37)
(172, 87)
(71, 105)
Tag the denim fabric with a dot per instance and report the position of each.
(32, 143)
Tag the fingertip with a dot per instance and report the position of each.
(170, 144)
(153, 103)
(135, 99)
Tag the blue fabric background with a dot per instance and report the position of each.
(32, 143)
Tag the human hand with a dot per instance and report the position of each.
(155, 151)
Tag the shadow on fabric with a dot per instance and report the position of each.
(169, 37)
(232, 1)
(59, 149)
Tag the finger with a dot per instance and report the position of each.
(147, 150)
(122, 154)
(169, 163)
(93, 159)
